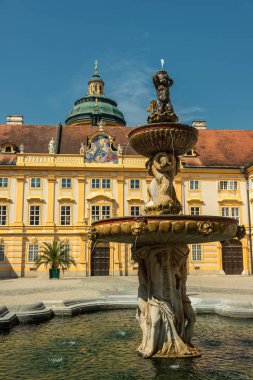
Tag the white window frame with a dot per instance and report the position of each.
(232, 212)
(99, 212)
(33, 252)
(196, 252)
(4, 181)
(225, 211)
(67, 248)
(106, 211)
(135, 184)
(235, 213)
(194, 184)
(195, 210)
(35, 215)
(135, 210)
(106, 183)
(66, 183)
(95, 183)
(2, 253)
(35, 182)
(65, 217)
(3, 215)
(95, 213)
(228, 185)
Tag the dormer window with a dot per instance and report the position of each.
(9, 148)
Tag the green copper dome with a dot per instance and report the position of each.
(95, 106)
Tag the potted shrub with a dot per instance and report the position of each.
(57, 256)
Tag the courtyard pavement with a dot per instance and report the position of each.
(23, 291)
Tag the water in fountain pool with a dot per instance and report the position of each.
(103, 346)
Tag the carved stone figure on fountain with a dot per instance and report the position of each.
(161, 109)
(163, 200)
(165, 324)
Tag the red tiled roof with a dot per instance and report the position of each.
(223, 148)
(34, 137)
(214, 147)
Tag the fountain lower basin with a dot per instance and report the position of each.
(163, 230)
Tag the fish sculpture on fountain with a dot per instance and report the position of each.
(161, 235)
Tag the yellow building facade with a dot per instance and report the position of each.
(56, 180)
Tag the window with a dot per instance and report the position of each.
(194, 185)
(106, 212)
(66, 248)
(106, 183)
(66, 183)
(65, 215)
(100, 212)
(3, 215)
(225, 211)
(34, 215)
(33, 251)
(195, 211)
(196, 252)
(2, 252)
(134, 183)
(35, 182)
(95, 183)
(3, 182)
(135, 210)
(233, 212)
(228, 185)
(95, 213)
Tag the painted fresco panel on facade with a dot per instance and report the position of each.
(101, 150)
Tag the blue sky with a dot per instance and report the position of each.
(47, 50)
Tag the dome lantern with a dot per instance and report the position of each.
(95, 106)
(96, 84)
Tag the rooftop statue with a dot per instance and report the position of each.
(161, 110)
(51, 146)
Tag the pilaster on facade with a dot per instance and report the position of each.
(19, 200)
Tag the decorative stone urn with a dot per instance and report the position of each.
(159, 238)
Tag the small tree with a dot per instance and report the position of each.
(55, 255)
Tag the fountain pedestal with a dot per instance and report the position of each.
(164, 310)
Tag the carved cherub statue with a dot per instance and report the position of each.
(163, 200)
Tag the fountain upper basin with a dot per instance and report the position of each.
(169, 229)
(150, 139)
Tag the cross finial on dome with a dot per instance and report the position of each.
(96, 67)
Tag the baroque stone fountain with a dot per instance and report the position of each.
(159, 238)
